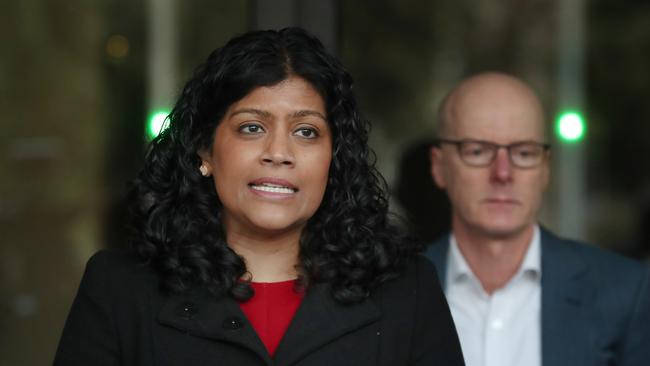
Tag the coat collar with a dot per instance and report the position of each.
(319, 320)
(200, 314)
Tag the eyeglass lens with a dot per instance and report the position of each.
(523, 155)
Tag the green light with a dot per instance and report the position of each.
(156, 123)
(571, 126)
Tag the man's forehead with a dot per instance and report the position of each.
(495, 110)
(500, 131)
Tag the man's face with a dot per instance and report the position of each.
(498, 200)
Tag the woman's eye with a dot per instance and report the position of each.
(305, 132)
(250, 129)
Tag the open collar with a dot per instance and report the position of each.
(457, 267)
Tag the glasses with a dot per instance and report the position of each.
(478, 153)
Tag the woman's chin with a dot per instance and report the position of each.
(276, 225)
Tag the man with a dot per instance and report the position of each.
(520, 295)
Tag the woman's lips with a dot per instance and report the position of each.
(273, 187)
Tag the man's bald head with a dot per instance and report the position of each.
(490, 93)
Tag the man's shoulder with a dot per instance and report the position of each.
(589, 254)
(592, 266)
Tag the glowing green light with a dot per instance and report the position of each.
(571, 126)
(156, 123)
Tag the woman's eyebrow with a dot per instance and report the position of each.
(306, 113)
(255, 111)
(265, 114)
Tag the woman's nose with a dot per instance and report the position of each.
(278, 150)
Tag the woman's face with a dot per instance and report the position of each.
(270, 159)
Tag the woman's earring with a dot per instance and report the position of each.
(204, 170)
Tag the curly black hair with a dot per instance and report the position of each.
(349, 243)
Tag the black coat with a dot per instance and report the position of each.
(120, 317)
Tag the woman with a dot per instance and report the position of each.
(260, 232)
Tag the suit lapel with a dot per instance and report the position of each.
(319, 320)
(203, 315)
(564, 295)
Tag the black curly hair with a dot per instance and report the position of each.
(349, 243)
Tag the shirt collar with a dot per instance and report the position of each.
(458, 269)
(533, 260)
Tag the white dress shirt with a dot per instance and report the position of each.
(502, 329)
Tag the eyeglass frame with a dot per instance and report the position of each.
(495, 147)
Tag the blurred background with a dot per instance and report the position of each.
(81, 82)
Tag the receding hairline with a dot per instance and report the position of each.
(475, 81)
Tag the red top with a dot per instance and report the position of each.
(271, 310)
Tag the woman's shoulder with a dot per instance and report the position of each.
(422, 268)
(418, 268)
(113, 257)
(115, 270)
(418, 277)
(418, 322)
(115, 260)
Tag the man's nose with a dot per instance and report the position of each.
(502, 168)
(278, 150)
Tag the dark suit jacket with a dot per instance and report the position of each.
(120, 317)
(595, 304)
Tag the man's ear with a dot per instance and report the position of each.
(437, 166)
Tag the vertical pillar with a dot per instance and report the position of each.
(161, 55)
(570, 157)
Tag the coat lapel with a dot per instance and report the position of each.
(564, 295)
(319, 320)
(203, 315)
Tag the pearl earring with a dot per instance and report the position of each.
(204, 170)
